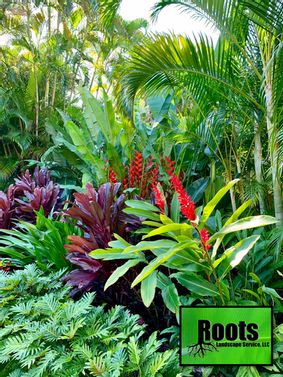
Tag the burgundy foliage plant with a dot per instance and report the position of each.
(30, 193)
(99, 215)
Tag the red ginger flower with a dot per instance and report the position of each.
(112, 176)
(186, 204)
(159, 198)
(169, 165)
(138, 166)
(132, 173)
(154, 175)
(204, 237)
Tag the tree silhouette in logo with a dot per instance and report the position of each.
(200, 348)
(203, 345)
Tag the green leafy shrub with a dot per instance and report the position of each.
(45, 333)
(185, 250)
(42, 242)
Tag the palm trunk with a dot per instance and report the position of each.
(258, 166)
(46, 96)
(54, 90)
(36, 104)
(233, 200)
(273, 151)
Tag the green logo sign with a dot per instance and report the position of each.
(226, 335)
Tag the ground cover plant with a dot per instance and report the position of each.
(139, 171)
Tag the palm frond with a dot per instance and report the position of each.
(108, 10)
(167, 61)
(226, 14)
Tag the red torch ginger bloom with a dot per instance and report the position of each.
(159, 198)
(186, 204)
(204, 236)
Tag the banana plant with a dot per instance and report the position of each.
(178, 254)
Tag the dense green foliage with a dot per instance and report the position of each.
(42, 242)
(44, 333)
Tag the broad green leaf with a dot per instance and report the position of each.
(175, 208)
(148, 287)
(197, 189)
(247, 372)
(116, 244)
(95, 115)
(13, 253)
(119, 272)
(235, 254)
(142, 213)
(238, 212)
(246, 223)
(209, 208)
(270, 291)
(252, 293)
(141, 204)
(189, 255)
(119, 238)
(255, 278)
(162, 280)
(196, 284)
(113, 254)
(165, 219)
(168, 228)
(171, 298)
(152, 223)
(154, 264)
(231, 219)
(150, 245)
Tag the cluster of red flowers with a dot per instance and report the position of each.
(204, 236)
(145, 174)
(142, 174)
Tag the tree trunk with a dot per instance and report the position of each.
(258, 166)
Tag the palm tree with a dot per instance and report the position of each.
(244, 68)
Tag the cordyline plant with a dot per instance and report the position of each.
(29, 194)
(6, 211)
(184, 249)
(99, 214)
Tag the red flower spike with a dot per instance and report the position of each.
(186, 204)
(159, 198)
(204, 237)
(138, 167)
(154, 175)
(125, 183)
(112, 176)
(132, 172)
(169, 165)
